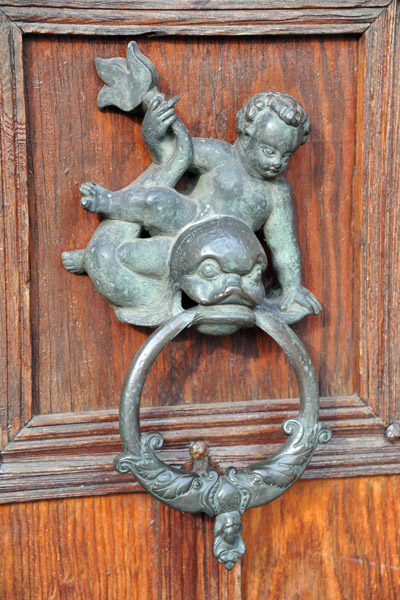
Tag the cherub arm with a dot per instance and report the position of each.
(169, 142)
(162, 130)
(158, 129)
(280, 235)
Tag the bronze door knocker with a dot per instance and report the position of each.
(202, 247)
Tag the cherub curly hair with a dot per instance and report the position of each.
(285, 106)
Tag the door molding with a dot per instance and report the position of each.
(41, 452)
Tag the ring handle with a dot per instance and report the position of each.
(227, 495)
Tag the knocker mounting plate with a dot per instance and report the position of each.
(157, 249)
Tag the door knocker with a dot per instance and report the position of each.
(201, 245)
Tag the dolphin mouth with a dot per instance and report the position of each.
(234, 294)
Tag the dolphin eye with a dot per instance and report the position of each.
(209, 270)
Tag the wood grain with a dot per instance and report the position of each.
(216, 5)
(198, 22)
(378, 168)
(84, 549)
(71, 454)
(15, 355)
(81, 351)
(190, 17)
(249, 30)
(320, 541)
(328, 540)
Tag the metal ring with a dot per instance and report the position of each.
(235, 491)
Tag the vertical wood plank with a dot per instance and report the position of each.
(81, 549)
(379, 167)
(126, 546)
(230, 582)
(330, 540)
(15, 365)
(322, 540)
(186, 565)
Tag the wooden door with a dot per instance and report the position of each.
(71, 526)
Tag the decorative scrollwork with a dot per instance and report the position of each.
(285, 467)
(293, 428)
(170, 485)
(154, 441)
(324, 435)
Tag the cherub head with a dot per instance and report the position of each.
(270, 126)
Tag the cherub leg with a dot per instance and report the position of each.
(160, 209)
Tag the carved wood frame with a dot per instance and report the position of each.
(49, 456)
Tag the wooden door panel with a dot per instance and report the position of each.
(66, 354)
(351, 551)
(317, 542)
(82, 351)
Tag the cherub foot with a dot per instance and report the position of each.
(96, 199)
(74, 261)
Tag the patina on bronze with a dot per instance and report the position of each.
(229, 495)
(202, 247)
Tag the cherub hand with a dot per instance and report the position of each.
(158, 118)
(95, 198)
(303, 297)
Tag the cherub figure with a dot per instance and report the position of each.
(243, 180)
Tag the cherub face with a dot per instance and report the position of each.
(270, 145)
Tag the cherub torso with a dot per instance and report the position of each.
(226, 188)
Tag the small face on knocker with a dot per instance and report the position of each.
(228, 544)
(219, 262)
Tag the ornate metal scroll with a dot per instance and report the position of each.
(156, 246)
